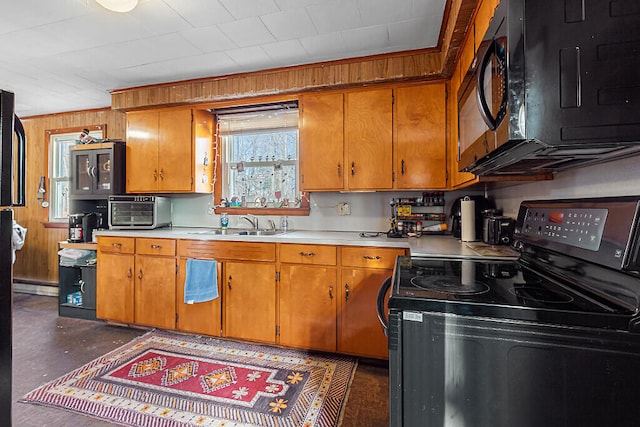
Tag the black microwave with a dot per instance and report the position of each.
(554, 85)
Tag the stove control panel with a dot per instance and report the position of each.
(579, 227)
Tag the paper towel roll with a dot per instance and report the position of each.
(468, 220)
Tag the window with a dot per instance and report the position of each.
(259, 156)
(60, 143)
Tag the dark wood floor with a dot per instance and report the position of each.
(46, 346)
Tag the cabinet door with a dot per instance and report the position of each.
(420, 137)
(201, 318)
(368, 136)
(142, 152)
(308, 297)
(103, 172)
(175, 151)
(155, 291)
(115, 287)
(322, 142)
(360, 331)
(250, 301)
(456, 177)
(82, 166)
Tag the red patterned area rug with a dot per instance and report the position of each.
(168, 380)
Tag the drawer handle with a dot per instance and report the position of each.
(162, 174)
(372, 257)
(116, 245)
(331, 291)
(346, 291)
(129, 274)
(140, 274)
(155, 174)
(402, 170)
(307, 254)
(81, 282)
(156, 247)
(229, 282)
(339, 170)
(353, 168)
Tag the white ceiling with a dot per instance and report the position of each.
(66, 55)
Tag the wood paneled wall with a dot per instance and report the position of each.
(37, 261)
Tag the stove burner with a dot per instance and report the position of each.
(531, 293)
(449, 285)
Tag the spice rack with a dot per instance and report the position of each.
(413, 216)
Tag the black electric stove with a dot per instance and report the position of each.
(551, 338)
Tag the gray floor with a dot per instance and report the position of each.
(46, 346)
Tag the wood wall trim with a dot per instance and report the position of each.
(416, 65)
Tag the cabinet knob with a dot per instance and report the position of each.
(229, 282)
(331, 291)
(353, 168)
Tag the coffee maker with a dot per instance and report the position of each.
(482, 204)
(82, 226)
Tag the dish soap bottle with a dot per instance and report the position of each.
(224, 220)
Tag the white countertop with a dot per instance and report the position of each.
(427, 245)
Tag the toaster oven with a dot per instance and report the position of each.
(138, 212)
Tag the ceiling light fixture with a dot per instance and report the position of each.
(118, 5)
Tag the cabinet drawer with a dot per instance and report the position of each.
(166, 247)
(308, 254)
(242, 251)
(369, 257)
(119, 245)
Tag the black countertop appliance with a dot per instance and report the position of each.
(482, 204)
(551, 338)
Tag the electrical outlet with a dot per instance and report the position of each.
(344, 208)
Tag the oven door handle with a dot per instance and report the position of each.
(382, 292)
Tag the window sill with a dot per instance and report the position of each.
(265, 211)
(55, 224)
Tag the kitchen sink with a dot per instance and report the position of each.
(237, 231)
(259, 232)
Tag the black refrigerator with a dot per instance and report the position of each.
(12, 193)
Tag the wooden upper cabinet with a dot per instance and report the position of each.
(322, 142)
(169, 151)
(368, 134)
(420, 146)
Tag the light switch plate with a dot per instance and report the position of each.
(344, 208)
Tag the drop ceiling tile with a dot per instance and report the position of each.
(249, 58)
(148, 51)
(201, 13)
(366, 39)
(296, 4)
(247, 32)
(333, 16)
(375, 12)
(287, 52)
(248, 9)
(290, 24)
(324, 47)
(209, 39)
(414, 34)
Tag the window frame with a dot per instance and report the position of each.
(219, 171)
(49, 135)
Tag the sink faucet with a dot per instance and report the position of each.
(272, 224)
(252, 219)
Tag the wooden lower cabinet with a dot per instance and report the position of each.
(249, 310)
(200, 318)
(308, 296)
(115, 287)
(155, 294)
(363, 271)
(360, 331)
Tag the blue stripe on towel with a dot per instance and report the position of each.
(201, 281)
